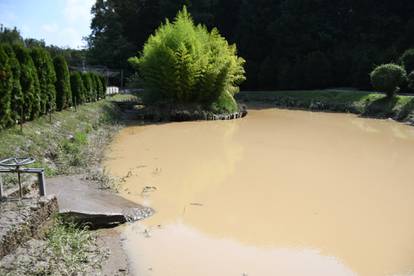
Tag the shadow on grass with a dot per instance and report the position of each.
(406, 110)
(381, 108)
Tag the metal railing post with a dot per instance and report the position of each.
(1, 188)
(42, 186)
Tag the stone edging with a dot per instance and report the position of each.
(22, 220)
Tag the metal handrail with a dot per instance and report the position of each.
(14, 165)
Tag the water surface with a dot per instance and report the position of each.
(285, 193)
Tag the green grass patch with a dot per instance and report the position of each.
(64, 143)
(368, 104)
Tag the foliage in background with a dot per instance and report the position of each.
(411, 80)
(274, 36)
(317, 71)
(388, 78)
(184, 63)
(63, 91)
(407, 60)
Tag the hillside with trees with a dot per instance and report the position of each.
(288, 44)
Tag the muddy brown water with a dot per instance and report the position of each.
(285, 193)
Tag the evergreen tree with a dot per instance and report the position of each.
(76, 85)
(29, 82)
(104, 86)
(63, 91)
(17, 97)
(87, 85)
(6, 87)
(94, 87)
(47, 78)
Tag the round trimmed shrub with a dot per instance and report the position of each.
(47, 78)
(407, 60)
(76, 85)
(63, 91)
(388, 78)
(6, 86)
(186, 64)
(29, 82)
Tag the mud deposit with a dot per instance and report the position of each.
(286, 193)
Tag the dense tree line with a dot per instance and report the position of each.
(288, 44)
(33, 84)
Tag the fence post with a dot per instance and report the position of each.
(42, 187)
(1, 188)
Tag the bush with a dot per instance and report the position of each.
(29, 83)
(47, 79)
(411, 80)
(318, 72)
(76, 85)
(407, 60)
(184, 63)
(388, 78)
(63, 91)
(6, 85)
(87, 85)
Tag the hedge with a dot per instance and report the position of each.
(32, 84)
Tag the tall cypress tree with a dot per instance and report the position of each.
(94, 87)
(103, 81)
(77, 88)
(87, 85)
(63, 91)
(17, 97)
(29, 82)
(6, 86)
(47, 78)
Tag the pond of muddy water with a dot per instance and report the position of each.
(286, 193)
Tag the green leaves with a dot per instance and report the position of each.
(185, 63)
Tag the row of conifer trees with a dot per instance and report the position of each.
(32, 84)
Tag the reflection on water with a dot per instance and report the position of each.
(278, 193)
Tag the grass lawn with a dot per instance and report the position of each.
(67, 143)
(368, 104)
